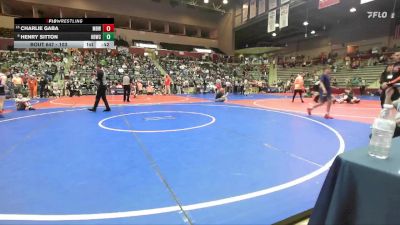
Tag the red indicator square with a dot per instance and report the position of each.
(108, 27)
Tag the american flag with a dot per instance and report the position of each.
(397, 32)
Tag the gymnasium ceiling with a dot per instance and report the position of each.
(254, 32)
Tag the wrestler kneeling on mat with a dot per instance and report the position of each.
(221, 96)
(23, 103)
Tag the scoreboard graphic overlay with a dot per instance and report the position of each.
(64, 33)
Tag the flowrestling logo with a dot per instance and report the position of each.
(379, 15)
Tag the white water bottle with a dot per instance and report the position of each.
(382, 133)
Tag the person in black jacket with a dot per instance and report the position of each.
(101, 90)
(390, 93)
(389, 86)
(42, 87)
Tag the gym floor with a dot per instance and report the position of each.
(254, 159)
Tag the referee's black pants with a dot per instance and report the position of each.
(101, 93)
(127, 92)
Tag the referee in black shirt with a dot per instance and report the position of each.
(101, 90)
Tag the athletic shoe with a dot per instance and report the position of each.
(327, 116)
(107, 110)
(92, 110)
(309, 111)
(31, 108)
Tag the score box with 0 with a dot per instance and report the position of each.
(108, 36)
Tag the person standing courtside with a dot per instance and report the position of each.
(126, 83)
(167, 83)
(101, 90)
(298, 87)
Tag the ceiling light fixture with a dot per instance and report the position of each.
(274, 34)
(206, 1)
(225, 2)
(277, 25)
(305, 23)
(313, 32)
(353, 10)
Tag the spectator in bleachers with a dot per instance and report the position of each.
(334, 81)
(150, 89)
(55, 90)
(75, 88)
(363, 85)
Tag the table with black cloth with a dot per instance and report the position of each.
(360, 189)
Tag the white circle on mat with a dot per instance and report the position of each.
(212, 120)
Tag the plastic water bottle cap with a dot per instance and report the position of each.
(388, 106)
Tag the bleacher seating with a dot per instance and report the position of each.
(369, 73)
(7, 33)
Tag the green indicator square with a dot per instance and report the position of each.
(109, 36)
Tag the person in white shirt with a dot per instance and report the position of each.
(18, 83)
(55, 89)
(126, 83)
(246, 87)
(228, 86)
(22, 103)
